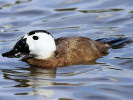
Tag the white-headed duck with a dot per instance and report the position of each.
(42, 50)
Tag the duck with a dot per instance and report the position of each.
(42, 50)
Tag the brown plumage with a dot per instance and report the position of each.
(71, 51)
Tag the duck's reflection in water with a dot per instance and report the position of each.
(34, 78)
(41, 79)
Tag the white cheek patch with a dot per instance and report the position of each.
(26, 36)
(30, 42)
(41, 45)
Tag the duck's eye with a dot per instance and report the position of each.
(35, 37)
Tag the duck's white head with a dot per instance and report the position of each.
(38, 43)
(41, 44)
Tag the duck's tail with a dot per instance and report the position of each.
(116, 42)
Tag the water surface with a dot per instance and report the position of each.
(110, 79)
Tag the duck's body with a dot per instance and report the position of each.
(71, 51)
(47, 52)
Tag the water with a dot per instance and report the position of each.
(110, 79)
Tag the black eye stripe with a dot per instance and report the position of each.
(35, 37)
(37, 31)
